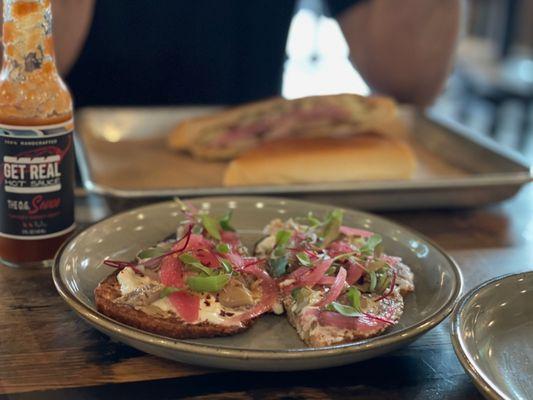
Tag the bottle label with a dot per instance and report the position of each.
(36, 181)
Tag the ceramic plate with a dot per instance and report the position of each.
(492, 334)
(271, 344)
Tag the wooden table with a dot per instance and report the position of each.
(46, 352)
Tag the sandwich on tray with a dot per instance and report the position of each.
(229, 133)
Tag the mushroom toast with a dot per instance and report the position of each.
(336, 283)
(201, 284)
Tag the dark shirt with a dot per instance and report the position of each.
(141, 52)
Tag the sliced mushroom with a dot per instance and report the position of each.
(141, 296)
(235, 294)
(264, 246)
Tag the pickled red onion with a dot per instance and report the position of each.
(349, 231)
(335, 290)
(308, 277)
(297, 273)
(391, 260)
(268, 296)
(365, 324)
(326, 280)
(355, 271)
(338, 248)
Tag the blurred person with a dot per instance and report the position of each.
(139, 52)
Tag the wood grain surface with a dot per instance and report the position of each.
(47, 352)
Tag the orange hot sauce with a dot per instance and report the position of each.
(36, 143)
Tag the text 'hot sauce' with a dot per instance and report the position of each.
(36, 143)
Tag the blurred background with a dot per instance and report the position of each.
(490, 89)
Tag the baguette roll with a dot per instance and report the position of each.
(314, 160)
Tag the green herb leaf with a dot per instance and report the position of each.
(213, 283)
(151, 253)
(188, 258)
(225, 222)
(313, 221)
(211, 225)
(379, 250)
(278, 252)
(294, 293)
(354, 295)
(344, 255)
(332, 228)
(370, 245)
(373, 281)
(304, 259)
(384, 281)
(226, 265)
(376, 265)
(278, 266)
(331, 270)
(190, 261)
(347, 311)
(222, 248)
(168, 290)
(282, 238)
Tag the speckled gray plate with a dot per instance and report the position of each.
(492, 334)
(271, 344)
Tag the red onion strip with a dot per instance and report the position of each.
(335, 289)
(268, 296)
(308, 277)
(349, 231)
(326, 280)
(355, 271)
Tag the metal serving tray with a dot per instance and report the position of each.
(122, 153)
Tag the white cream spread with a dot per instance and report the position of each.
(210, 309)
(164, 304)
(129, 280)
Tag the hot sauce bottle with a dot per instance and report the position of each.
(36, 142)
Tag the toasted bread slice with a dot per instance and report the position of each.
(226, 134)
(159, 322)
(318, 160)
(307, 323)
